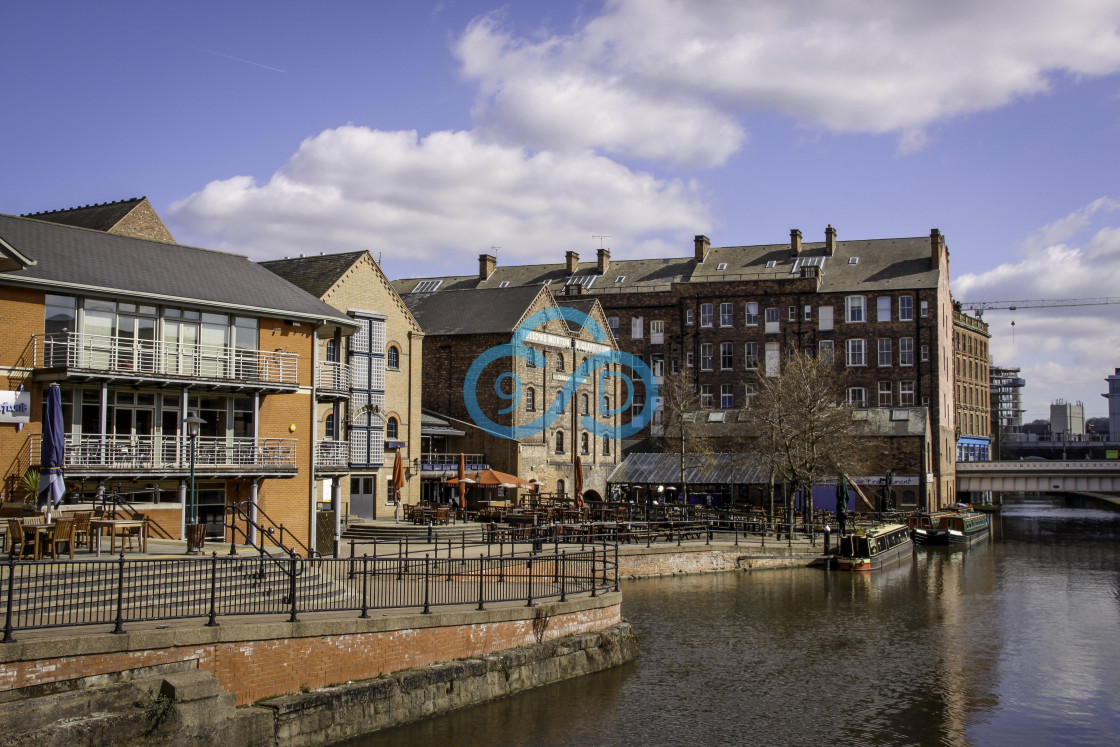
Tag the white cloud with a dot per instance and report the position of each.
(432, 204)
(1064, 352)
(670, 79)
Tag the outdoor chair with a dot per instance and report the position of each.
(63, 535)
(130, 532)
(17, 537)
(81, 526)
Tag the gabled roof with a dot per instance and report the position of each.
(100, 217)
(881, 264)
(83, 260)
(316, 275)
(489, 311)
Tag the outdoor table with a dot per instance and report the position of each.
(114, 526)
(42, 533)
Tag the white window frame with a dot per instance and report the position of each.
(707, 314)
(906, 393)
(750, 391)
(886, 394)
(727, 315)
(773, 320)
(824, 318)
(924, 305)
(855, 351)
(726, 397)
(826, 351)
(688, 318)
(792, 313)
(883, 309)
(637, 327)
(707, 396)
(707, 356)
(905, 308)
(857, 396)
(726, 356)
(906, 351)
(751, 308)
(886, 352)
(925, 353)
(656, 332)
(808, 313)
(750, 355)
(855, 309)
(689, 359)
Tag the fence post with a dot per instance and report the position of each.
(594, 577)
(529, 567)
(292, 585)
(365, 586)
(213, 621)
(11, 592)
(481, 577)
(119, 627)
(709, 540)
(564, 576)
(616, 566)
(427, 609)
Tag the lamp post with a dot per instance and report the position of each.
(193, 423)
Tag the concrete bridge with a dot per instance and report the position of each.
(1091, 478)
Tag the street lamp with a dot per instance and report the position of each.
(193, 423)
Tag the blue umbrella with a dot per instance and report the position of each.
(52, 482)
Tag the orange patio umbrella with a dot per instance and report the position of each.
(462, 480)
(578, 486)
(398, 476)
(492, 478)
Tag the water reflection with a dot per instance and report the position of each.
(1010, 641)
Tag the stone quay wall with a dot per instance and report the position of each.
(668, 559)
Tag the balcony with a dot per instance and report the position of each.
(332, 456)
(332, 379)
(80, 355)
(447, 463)
(94, 455)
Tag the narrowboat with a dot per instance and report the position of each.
(962, 528)
(872, 548)
(922, 524)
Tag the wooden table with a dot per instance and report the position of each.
(42, 533)
(115, 526)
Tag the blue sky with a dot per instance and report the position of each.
(429, 132)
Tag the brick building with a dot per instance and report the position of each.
(973, 387)
(370, 408)
(880, 309)
(460, 326)
(138, 333)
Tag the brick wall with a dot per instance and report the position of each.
(21, 316)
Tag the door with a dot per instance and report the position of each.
(362, 497)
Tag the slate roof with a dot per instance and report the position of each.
(316, 275)
(490, 311)
(79, 259)
(665, 469)
(882, 265)
(100, 217)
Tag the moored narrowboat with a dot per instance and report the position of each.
(872, 548)
(961, 528)
(923, 526)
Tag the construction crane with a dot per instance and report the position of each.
(981, 306)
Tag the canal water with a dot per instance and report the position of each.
(1014, 641)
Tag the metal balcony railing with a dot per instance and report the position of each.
(332, 376)
(332, 453)
(158, 359)
(474, 462)
(95, 451)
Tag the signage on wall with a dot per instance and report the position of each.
(15, 407)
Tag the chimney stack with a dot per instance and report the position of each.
(829, 241)
(572, 262)
(604, 260)
(702, 247)
(487, 263)
(794, 242)
(936, 245)
(575, 289)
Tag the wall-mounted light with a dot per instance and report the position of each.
(294, 324)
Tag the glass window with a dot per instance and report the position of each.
(906, 393)
(857, 396)
(749, 393)
(885, 354)
(824, 318)
(559, 442)
(688, 316)
(884, 308)
(707, 396)
(391, 429)
(606, 446)
(925, 353)
(751, 352)
(531, 399)
(885, 393)
(772, 318)
(906, 351)
(792, 314)
(855, 309)
(826, 351)
(689, 359)
(925, 308)
(905, 308)
(706, 356)
(856, 353)
(612, 322)
(706, 314)
(584, 443)
(393, 358)
(726, 398)
(752, 314)
(637, 325)
(559, 361)
(726, 315)
(808, 313)
(726, 355)
(584, 404)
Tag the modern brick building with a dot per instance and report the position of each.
(880, 309)
(373, 382)
(140, 332)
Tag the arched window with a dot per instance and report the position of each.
(559, 361)
(560, 487)
(584, 405)
(391, 429)
(328, 427)
(585, 443)
(559, 442)
(530, 399)
(606, 446)
(393, 358)
(332, 351)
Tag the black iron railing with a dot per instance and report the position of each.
(121, 591)
(268, 535)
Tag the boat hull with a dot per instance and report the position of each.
(967, 538)
(864, 564)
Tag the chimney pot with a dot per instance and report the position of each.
(703, 244)
(571, 261)
(936, 244)
(829, 241)
(794, 242)
(604, 260)
(487, 263)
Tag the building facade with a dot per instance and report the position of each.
(369, 384)
(972, 381)
(139, 333)
(880, 310)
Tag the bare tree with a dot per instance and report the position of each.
(802, 427)
(682, 425)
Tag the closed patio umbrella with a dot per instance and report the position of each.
(398, 476)
(462, 489)
(52, 482)
(578, 483)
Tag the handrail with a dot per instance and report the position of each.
(240, 510)
(119, 500)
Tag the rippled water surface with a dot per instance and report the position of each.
(1012, 642)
